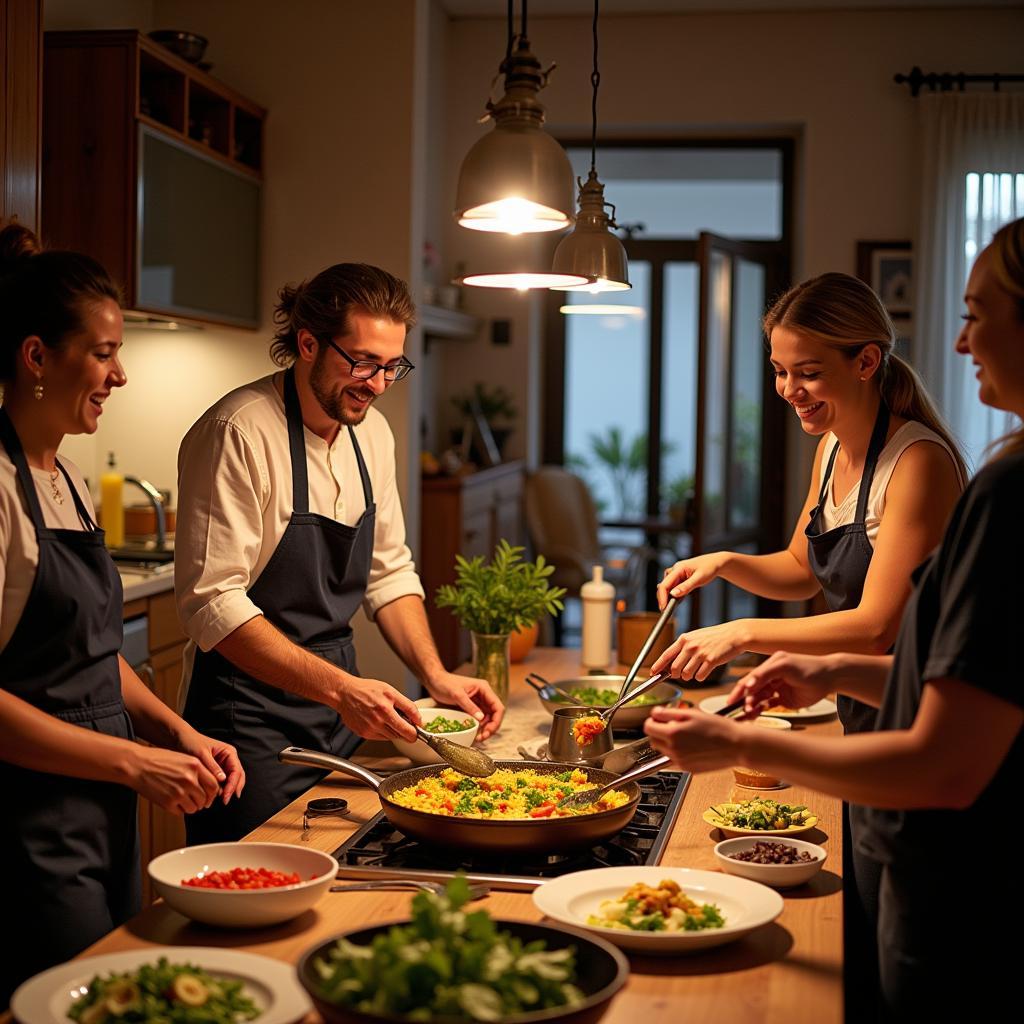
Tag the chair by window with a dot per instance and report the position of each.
(561, 518)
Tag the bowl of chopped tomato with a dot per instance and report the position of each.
(242, 885)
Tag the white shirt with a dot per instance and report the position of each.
(841, 513)
(19, 549)
(235, 502)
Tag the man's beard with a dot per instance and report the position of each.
(333, 402)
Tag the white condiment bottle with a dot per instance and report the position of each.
(597, 596)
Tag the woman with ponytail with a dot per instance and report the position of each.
(943, 763)
(70, 706)
(886, 476)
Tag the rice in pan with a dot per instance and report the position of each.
(506, 795)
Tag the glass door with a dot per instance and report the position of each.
(740, 453)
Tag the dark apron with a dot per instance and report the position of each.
(840, 558)
(310, 589)
(71, 855)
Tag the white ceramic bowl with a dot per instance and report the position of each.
(778, 876)
(242, 908)
(419, 753)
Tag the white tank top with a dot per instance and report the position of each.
(841, 513)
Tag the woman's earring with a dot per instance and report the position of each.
(38, 391)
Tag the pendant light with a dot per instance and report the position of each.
(516, 179)
(590, 249)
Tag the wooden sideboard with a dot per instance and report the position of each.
(465, 515)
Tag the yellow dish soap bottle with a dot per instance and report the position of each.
(112, 504)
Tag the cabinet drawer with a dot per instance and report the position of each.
(164, 628)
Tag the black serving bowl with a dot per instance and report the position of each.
(184, 44)
(601, 970)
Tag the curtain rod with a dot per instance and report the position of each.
(947, 80)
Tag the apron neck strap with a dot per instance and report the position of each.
(363, 472)
(296, 443)
(83, 512)
(875, 447)
(12, 443)
(828, 473)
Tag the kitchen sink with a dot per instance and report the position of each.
(143, 559)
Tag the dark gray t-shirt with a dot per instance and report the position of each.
(964, 621)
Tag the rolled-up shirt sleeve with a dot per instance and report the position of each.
(392, 570)
(222, 490)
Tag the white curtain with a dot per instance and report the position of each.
(972, 181)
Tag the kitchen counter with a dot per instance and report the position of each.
(138, 585)
(788, 971)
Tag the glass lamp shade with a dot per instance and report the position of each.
(590, 250)
(522, 280)
(516, 179)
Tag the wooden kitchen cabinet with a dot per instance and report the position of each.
(160, 831)
(153, 167)
(465, 515)
(21, 53)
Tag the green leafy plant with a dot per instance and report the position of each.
(495, 403)
(503, 595)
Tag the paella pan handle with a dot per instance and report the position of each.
(329, 762)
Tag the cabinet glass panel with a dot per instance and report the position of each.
(198, 235)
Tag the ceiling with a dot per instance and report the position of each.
(548, 8)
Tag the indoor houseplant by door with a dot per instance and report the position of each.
(493, 599)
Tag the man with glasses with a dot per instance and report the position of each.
(289, 521)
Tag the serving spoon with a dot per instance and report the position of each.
(467, 760)
(578, 801)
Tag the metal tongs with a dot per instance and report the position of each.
(670, 607)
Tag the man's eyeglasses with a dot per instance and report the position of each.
(366, 369)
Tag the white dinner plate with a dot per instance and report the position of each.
(745, 905)
(822, 709)
(271, 984)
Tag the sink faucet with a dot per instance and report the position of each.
(156, 500)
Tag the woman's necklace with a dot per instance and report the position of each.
(57, 496)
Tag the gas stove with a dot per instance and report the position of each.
(379, 850)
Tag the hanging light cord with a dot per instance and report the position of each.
(523, 21)
(510, 37)
(595, 81)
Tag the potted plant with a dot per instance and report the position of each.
(494, 404)
(493, 599)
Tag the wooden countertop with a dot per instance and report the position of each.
(788, 971)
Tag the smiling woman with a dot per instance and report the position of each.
(886, 476)
(70, 707)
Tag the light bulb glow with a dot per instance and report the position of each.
(520, 281)
(602, 309)
(514, 216)
(602, 284)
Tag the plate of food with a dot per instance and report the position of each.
(660, 910)
(163, 982)
(821, 709)
(761, 817)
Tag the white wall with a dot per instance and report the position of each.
(823, 78)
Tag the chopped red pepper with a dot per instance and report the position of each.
(543, 811)
(243, 878)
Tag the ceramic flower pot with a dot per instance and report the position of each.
(522, 641)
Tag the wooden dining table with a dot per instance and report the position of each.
(784, 972)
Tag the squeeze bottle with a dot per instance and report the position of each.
(597, 596)
(112, 504)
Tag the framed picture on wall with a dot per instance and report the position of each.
(889, 268)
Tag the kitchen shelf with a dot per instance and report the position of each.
(441, 322)
(171, 159)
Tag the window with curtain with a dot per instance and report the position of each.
(972, 182)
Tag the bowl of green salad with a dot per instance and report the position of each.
(459, 726)
(447, 964)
